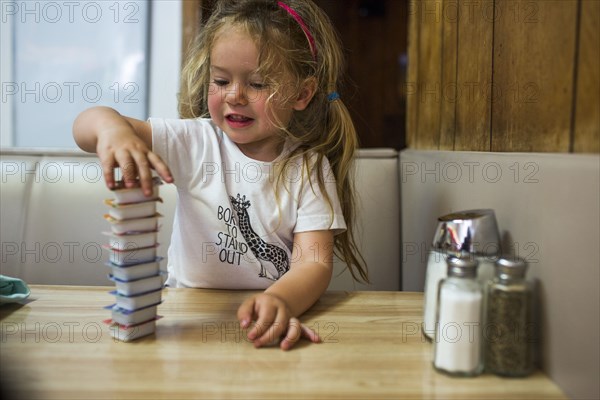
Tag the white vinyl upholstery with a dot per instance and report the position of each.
(377, 224)
(51, 208)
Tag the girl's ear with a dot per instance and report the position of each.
(307, 91)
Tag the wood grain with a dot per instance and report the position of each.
(56, 347)
(516, 76)
(534, 48)
(449, 89)
(191, 18)
(412, 74)
(586, 138)
(474, 76)
(429, 73)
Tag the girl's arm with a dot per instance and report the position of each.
(276, 309)
(121, 142)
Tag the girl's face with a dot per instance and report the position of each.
(237, 99)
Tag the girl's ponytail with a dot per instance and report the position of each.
(341, 158)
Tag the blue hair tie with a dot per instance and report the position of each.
(333, 96)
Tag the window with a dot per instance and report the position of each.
(61, 57)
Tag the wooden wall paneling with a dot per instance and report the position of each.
(374, 36)
(412, 75)
(394, 106)
(474, 75)
(586, 135)
(191, 15)
(448, 89)
(534, 48)
(366, 68)
(429, 74)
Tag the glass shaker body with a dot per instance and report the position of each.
(470, 231)
(436, 271)
(458, 337)
(510, 332)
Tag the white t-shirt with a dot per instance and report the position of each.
(229, 232)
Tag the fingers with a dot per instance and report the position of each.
(129, 171)
(108, 165)
(142, 165)
(246, 312)
(295, 331)
(160, 167)
(136, 169)
(271, 317)
(309, 334)
(273, 323)
(268, 328)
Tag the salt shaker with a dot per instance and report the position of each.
(457, 344)
(471, 231)
(509, 333)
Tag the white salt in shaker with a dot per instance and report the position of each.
(471, 231)
(458, 344)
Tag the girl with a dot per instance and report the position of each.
(261, 162)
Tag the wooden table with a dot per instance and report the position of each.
(57, 347)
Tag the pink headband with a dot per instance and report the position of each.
(298, 18)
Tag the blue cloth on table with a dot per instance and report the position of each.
(12, 290)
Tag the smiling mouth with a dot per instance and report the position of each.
(236, 118)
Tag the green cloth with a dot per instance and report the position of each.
(12, 290)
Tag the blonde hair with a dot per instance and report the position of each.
(324, 130)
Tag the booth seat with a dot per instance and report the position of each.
(52, 207)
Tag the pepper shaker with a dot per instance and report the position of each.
(509, 331)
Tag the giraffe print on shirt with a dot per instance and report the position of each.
(262, 250)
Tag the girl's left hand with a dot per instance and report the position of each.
(273, 320)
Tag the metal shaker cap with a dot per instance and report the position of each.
(508, 267)
(472, 231)
(463, 265)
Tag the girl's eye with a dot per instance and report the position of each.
(220, 82)
(258, 85)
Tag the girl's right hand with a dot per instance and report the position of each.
(121, 142)
(122, 147)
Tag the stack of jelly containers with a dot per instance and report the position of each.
(135, 267)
